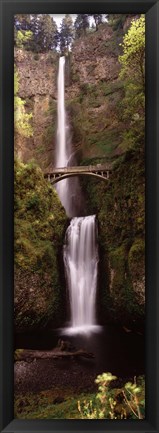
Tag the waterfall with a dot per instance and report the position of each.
(61, 148)
(81, 262)
(80, 249)
(69, 190)
(61, 154)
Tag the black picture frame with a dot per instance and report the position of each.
(7, 421)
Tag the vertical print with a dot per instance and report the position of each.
(79, 124)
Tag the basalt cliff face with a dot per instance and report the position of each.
(92, 91)
(37, 86)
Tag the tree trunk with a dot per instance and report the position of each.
(27, 355)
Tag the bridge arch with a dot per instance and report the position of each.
(65, 176)
(101, 172)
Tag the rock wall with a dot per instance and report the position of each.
(94, 57)
(92, 70)
(37, 74)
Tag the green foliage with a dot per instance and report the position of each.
(133, 57)
(16, 83)
(37, 32)
(41, 405)
(23, 37)
(96, 132)
(124, 298)
(134, 396)
(110, 87)
(39, 226)
(120, 209)
(21, 118)
(47, 33)
(31, 192)
(136, 256)
(66, 33)
(50, 130)
(122, 403)
(133, 73)
(22, 21)
(22, 30)
(109, 402)
(116, 21)
(81, 24)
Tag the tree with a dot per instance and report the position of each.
(35, 28)
(116, 20)
(133, 57)
(133, 73)
(22, 21)
(21, 118)
(98, 18)
(56, 38)
(22, 38)
(47, 31)
(66, 33)
(81, 24)
(44, 32)
(22, 30)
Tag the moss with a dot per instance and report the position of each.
(94, 118)
(117, 261)
(67, 404)
(120, 208)
(40, 223)
(43, 151)
(136, 258)
(136, 252)
(50, 130)
(17, 354)
(40, 405)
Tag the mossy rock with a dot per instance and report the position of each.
(136, 258)
(40, 224)
(120, 208)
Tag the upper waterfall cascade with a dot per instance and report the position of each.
(69, 191)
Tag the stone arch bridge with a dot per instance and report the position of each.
(98, 171)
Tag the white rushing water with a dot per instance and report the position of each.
(81, 263)
(80, 250)
(61, 148)
(68, 189)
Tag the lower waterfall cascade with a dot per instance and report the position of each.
(81, 265)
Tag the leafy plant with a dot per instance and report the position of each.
(21, 118)
(132, 72)
(106, 403)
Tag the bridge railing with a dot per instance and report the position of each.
(79, 169)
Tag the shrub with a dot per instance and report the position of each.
(113, 403)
